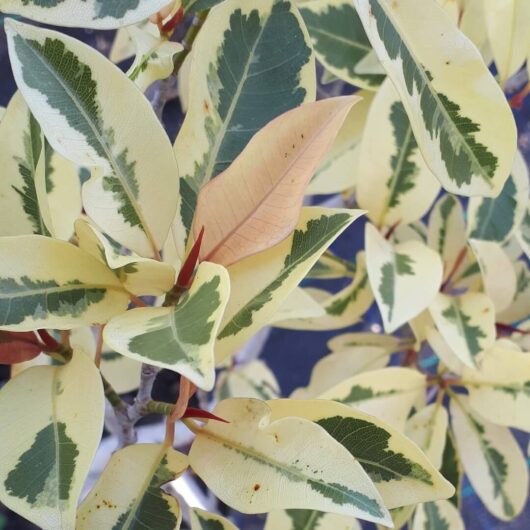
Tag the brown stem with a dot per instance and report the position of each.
(99, 347)
(459, 260)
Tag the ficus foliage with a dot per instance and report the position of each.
(122, 254)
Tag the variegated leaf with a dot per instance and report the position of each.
(46, 283)
(394, 184)
(338, 172)
(140, 276)
(63, 191)
(498, 274)
(404, 278)
(519, 308)
(466, 322)
(309, 520)
(23, 157)
(352, 341)
(264, 187)
(252, 380)
(300, 304)
(428, 429)
(179, 338)
(342, 309)
(492, 460)
(443, 351)
(523, 234)
(339, 40)
(435, 69)
(261, 282)
(499, 390)
(330, 267)
(400, 471)
(507, 28)
(154, 56)
(439, 515)
(416, 231)
(497, 219)
(256, 465)
(128, 494)
(247, 56)
(447, 231)
(121, 372)
(338, 366)
(47, 450)
(83, 104)
(387, 394)
(100, 14)
(452, 468)
(201, 520)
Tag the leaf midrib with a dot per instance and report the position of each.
(485, 450)
(142, 491)
(293, 161)
(278, 466)
(214, 151)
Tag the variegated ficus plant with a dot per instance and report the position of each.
(122, 255)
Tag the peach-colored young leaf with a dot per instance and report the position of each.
(256, 202)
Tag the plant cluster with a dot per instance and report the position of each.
(122, 254)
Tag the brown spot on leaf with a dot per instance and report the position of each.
(257, 487)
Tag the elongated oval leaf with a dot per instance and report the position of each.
(348, 341)
(401, 472)
(394, 184)
(436, 70)
(201, 520)
(128, 494)
(339, 40)
(309, 520)
(46, 283)
(519, 308)
(178, 338)
(260, 283)
(428, 429)
(251, 62)
(23, 200)
(447, 231)
(439, 515)
(387, 394)
(404, 278)
(251, 380)
(523, 234)
(100, 14)
(500, 389)
(492, 461)
(140, 276)
(154, 56)
(497, 219)
(507, 28)
(342, 309)
(256, 465)
(338, 171)
(47, 450)
(83, 103)
(338, 366)
(466, 322)
(498, 274)
(264, 187)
